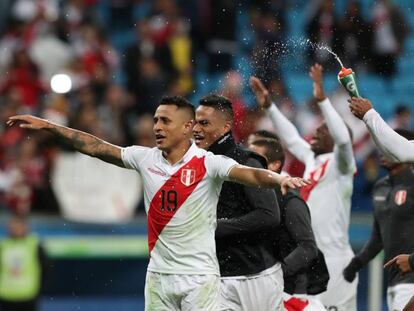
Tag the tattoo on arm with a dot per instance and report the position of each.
(89, 144)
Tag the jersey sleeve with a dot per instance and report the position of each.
(391, 144)
(132, 156)
(289, 135)
(219, 166)
(343, 152)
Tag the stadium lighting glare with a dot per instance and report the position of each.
(61, 83)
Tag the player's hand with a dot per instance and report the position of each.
(29, 122)
(315, 73)
(351, 270)
(359, 106)
(288, 182)
(263, 98)
(402, 262)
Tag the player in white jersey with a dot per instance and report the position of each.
(330, 166)
(181, 187)
(392, 145)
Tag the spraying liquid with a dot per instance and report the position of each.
(324, 47)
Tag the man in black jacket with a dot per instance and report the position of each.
(393, 229)
(251, 275)
(295, 242)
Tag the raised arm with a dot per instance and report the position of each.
(284, 128)
(264, 178)
(392, 145)
(343, 143)
(81, 141)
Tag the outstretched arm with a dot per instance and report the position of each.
(81, 141)
(336, 125)
(369, 251)
(264, 178)
(392, 145)
(284, 128)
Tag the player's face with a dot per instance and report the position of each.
(171, 127)
(17, 228)
(387, 164)
(322, 141)
(210, 125)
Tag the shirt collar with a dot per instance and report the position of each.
(406, 175)
(223, 144)
(186, 157)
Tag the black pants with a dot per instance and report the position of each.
(18, 306)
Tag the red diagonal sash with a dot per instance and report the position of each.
(171, 196)
(314, 177)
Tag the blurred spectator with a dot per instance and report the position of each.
(401, 118)
(121, 14)
(23, 76)
(23, 268)
(232, 89)
(148, 66)
(111, 114)
(221, 44)
(323, 31)
(49, 53)
(390, 30)
(30, 10)
(268, 48)
(10, 42)
(181, 52)
(355, 39)
(143, 131)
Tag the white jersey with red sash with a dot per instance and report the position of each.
(329, 200)
(181, 202)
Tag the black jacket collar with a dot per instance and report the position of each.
(403, 177)
(223, 144)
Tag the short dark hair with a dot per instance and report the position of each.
(274, 150)
(219, 103)
(402, 109)
(180, 102)
(265, 134)
(409, 135)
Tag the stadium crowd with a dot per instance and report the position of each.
(117, 81)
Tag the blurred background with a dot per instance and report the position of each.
(102, 66)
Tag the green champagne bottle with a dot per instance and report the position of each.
(347, 78)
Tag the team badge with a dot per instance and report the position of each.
(188, 177)
(400, 197)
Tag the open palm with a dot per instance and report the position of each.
(29, 122)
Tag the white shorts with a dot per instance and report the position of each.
(398, 296)
(340, 295)
(302, 303)
(181, 292)
(262, 291)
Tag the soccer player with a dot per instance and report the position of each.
(246, 218)
(330, 165)
(181, 187)
(392, 231)
(392, 145)
(295, 239)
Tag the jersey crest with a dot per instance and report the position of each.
(188, 177)
(400, 197)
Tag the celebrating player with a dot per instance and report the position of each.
(330, 165)
(295, 240)
(392, 231)
(246, 219)
(392, 145)
(181, 187)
